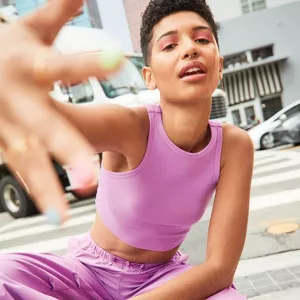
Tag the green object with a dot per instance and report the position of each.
(109, 59)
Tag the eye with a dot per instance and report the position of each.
(202, 41)
(169, 47)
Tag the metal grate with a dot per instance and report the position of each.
(218, 108)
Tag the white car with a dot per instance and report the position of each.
(261, 134)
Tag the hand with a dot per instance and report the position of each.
(32, 132)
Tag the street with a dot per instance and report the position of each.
(268, 263)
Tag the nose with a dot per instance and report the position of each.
(189, 48)
(190, 52)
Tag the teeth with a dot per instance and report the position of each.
(193, 70)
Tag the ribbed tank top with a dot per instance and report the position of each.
(153, 206)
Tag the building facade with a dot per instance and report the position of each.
(222, 10)
(259, 42)
(230, 9)
(262, 63)
(116, 22)
(25, 7)
(134, 10)
(7, 2)
(109, 15)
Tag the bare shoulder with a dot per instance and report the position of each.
(234, 136)
(137, 122)
(142, 118)
(237, 144)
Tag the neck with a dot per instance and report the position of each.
(187, 126)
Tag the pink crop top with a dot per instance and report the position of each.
(154, 206)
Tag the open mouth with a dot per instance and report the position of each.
(192, 71)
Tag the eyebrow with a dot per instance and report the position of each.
(173, 32)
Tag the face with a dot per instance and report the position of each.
(185, 64)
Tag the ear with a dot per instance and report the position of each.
(149, 78)
(221, 68)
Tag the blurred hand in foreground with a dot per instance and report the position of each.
(32, 132)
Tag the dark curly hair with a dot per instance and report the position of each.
(159, 9)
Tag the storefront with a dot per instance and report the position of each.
(253, 85)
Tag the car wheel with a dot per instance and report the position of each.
(267, 141)
(14, 199)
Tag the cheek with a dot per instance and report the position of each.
(163, 69)
(214, 65)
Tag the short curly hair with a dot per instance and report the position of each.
(159, 9)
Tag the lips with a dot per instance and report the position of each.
(193, 68)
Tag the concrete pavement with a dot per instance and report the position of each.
(271, 270)
(280, 272)
(293, 294)
(5, 219)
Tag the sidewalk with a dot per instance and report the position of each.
(264, 285)
(270, 265)
(293, 294)
(271, 277)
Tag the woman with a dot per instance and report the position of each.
(161, 166)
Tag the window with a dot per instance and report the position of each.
(79, 93)
(292, 111)
(262, 53)
(129, 80)
(250, 114)
(82, 93)
(245, 6)
(236, 116)
(138, 62)
(252, 5)
(235, 60)
(258, 5)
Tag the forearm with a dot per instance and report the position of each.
(73, 113)
(198, 283)
(82, 118)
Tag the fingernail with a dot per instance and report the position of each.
(53, 216)
(109, 59)
(81, 175)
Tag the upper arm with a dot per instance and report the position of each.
(228, 225)
(107, 127)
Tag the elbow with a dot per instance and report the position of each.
(223, 275)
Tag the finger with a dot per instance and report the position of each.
(31, 163)
(59, 137)
(50, 67)
(50, 18)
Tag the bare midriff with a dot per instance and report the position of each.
(104, 238)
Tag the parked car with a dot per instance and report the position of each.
(261, 134)
(288, 132)
(16, 200)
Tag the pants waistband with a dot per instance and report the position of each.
(86, 244)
